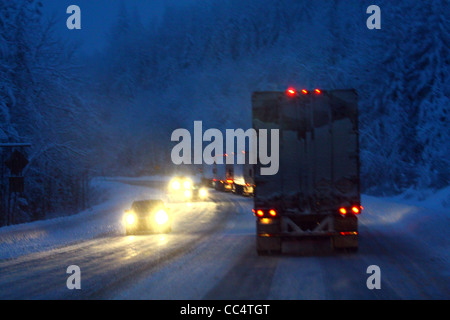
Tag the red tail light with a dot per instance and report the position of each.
(343, 211)
(355, 210)
(260, 213)
(273, 213)
(254, 211)
(304, 91)
(318, 91)
(291, 92)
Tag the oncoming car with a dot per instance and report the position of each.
(180, 189)
(147, 216)
(180, 184)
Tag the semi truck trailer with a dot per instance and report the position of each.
(316, 191)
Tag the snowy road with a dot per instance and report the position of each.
(211, 255)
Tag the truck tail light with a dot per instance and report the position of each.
(260, 213)
(273, 212)
(304, 91)
(352, 210)
(291, 92)
(318, 91)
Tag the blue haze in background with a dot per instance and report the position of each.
(142, 69)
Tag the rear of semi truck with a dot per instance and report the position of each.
(316, 191)
(243, 178)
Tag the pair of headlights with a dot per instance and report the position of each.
(161, 217)
(176, 184)
(202, 193)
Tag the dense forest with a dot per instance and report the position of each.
(112, 113)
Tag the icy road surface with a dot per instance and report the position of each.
(211, 254)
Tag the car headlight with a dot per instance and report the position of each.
(130, 218)
(161, 217)
(176, 185)
(203, 193)
(187, 184)
(188, 194)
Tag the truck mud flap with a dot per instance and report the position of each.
(267, 239)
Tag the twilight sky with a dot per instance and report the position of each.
(98, 15)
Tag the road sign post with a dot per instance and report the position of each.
(16, 163)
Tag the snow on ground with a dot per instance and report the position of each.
(424, 223)
(192, 275)
(426, 219)
(203, 270)
(432, 199)
(100, 220)
(157, 178)
(421, 224)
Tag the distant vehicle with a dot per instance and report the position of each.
(316, 192)
(148, 216)
(222, 179)
(243, 179)
(236, 178)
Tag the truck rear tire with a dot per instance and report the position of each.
(345, 243)
(268, 246)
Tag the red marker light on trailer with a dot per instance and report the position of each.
(260, 213)
(318, 91)
(304, 91)
(349, 233)
(343, 211)
(291, 92)
(273, 213)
